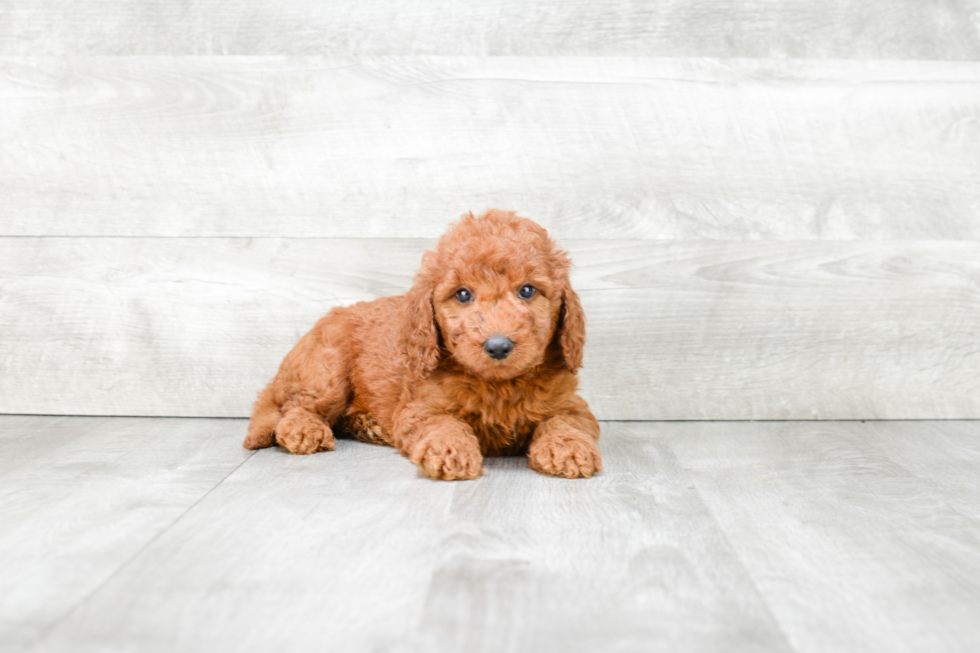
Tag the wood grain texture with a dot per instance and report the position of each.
(697, 537)
(628, 561)
(800, 330)
(677, 330)
(947, 454)
(592, 147)
(352, 550)
(292, 553)
(908, 29)
(850, 550)
(80, 497)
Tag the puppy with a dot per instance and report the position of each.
(478, 358)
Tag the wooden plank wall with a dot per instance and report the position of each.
(774, 207)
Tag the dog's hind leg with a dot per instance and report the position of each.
(302, 431)
(309, 393)
(265, 416)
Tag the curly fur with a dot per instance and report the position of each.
(411, 371)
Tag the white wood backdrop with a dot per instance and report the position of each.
(860, 29)
(398, 146)
(774, 206)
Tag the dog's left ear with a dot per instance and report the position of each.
(419, 332)
(571, 327)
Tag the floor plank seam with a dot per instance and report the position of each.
(420, 615)
(88, 597)
(930, 483)
(735, 555)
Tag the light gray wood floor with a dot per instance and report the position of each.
(157, 534)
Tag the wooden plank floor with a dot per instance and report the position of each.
(157, 534)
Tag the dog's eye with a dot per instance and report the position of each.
(464, 296)
(526, 292)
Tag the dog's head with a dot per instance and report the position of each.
(494, 295)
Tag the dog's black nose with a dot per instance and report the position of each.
(498, 347)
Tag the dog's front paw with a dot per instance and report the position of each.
(449, 456)
(302, 432)
(571, 455)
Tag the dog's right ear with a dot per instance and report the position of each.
(419, 333)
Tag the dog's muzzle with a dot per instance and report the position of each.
(498, 347)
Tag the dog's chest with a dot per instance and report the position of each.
(503, 418)
(497, 437)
